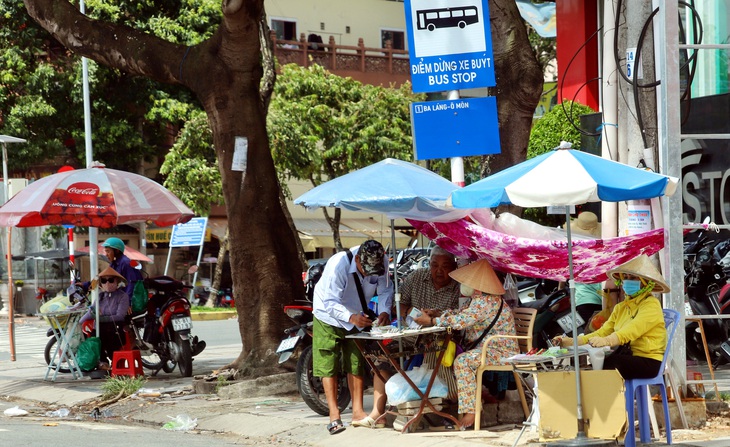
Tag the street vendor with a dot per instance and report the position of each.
(486, 315)
(636, 326)
(113, 308)
(429, 290)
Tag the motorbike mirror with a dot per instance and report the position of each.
(192, 269)
(399, 258)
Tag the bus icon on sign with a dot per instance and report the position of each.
(460, 16)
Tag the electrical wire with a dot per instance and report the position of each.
(562, 83)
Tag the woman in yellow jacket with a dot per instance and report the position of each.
(636, 323)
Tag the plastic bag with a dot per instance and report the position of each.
(15, 411)
(88, 354)
(56, 304)
(511, 295)
(181, 422)
(399, 391)
(139, 297)
(597, 320)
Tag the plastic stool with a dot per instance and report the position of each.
(127, 363)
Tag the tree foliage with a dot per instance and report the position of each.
(41, 96)
(322, 126)
(190, 168)
(559, 124)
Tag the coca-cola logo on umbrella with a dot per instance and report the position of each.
(83, 189)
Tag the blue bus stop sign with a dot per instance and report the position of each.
(455, 128)
(450, 44)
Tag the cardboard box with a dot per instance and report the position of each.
(604, 407)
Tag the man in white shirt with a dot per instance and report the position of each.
(341, 309)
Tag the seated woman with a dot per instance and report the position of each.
(636, 323)
(486, 315)
(113, 309)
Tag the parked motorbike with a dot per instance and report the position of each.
(707, 292)
(225, 298)
(300, 337)
(163, 332)
(553, 317)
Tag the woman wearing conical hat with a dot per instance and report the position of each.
(479, 281)
(637, 322)
(113, 309)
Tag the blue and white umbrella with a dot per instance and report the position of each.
(392, 187)
(565, 177)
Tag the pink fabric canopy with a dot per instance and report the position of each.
(540, 258)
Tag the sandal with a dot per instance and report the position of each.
(335, 427)
(368, 422)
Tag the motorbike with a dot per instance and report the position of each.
(707, 292)
(225, 298)
(553, 317)
(299, 337)
(162, 333)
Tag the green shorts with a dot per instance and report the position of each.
(332, 353)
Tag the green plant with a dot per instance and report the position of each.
(221, 381)
(19, 283)
(127, 386)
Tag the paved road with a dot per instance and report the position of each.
(30, 340)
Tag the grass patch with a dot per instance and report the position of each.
(210, 309)
(121, 384)
(724, 396)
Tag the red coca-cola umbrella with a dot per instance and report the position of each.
(93, 197)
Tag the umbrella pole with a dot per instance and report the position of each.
(395, 286)
(94, 267)
(580, 438)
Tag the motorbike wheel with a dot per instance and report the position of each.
(311, 390)
(695, 349)
(185, 362)
(63, 366)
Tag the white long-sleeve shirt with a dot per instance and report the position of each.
(335, 295)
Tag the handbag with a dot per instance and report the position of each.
(453, 349)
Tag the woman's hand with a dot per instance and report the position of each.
(424, 320)
(563, 342)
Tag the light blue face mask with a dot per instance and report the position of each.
(631, 286)
(372, 279)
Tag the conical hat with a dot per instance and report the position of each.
(480, 276)
(111, 272)
(641, 266)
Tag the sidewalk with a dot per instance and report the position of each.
(271, 413)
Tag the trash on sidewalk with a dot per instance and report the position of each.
(15, 411)
(60, 413)
(181, 422)
(148, 392)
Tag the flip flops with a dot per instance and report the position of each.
(335, 427)
(368, 422)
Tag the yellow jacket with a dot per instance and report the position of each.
(639, 321)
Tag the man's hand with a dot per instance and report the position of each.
(360, 320)
(384, 319)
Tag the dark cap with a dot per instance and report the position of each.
(371, 255)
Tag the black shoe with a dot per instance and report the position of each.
(198, 347)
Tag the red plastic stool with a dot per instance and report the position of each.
(127, 363)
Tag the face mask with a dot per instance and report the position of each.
(372, 279)
(466, 290)
(631, 286)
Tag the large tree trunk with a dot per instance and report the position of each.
(519, 85)
(224, 72)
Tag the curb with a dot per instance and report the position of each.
(219, 315)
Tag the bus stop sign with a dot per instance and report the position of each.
(450, 44)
